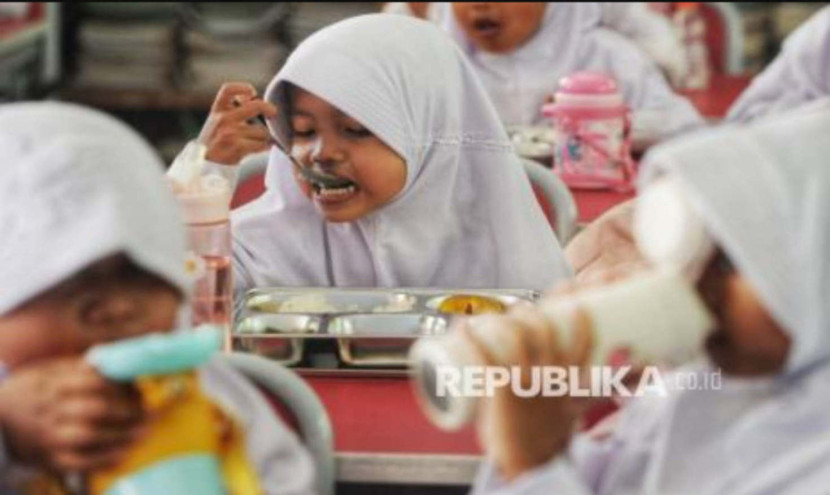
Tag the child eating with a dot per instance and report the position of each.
(404, 178)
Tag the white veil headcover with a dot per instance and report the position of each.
(765, 195)
(78, 185)
(467, 216)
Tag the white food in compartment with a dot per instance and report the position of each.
(396, 304)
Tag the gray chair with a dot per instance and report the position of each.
(558, 196)
(300, 399)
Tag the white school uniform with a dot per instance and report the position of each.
(800, 73)
(764, 193)
(569, 40)
(466, 217)
(78, 186)
(651, 32)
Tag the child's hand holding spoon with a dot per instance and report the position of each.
(228, 133)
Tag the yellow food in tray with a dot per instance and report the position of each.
(464, 304)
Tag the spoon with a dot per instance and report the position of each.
(311, 174)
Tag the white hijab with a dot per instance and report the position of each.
(800, 73)
(570, 39)
(467, 216)
(76, 186)
(764, 193)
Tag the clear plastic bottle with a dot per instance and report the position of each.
(205, 203)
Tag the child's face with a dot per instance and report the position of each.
(66, 324)
(499, 27)
(374, 174)
(747, 341)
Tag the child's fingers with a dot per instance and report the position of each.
(544, 338)
(250, 110)
(480, 347)
(102, 411)
(88, 437)
(88, 460)
(253, 132)
(229, 92)
(255, 146)
(582, 343)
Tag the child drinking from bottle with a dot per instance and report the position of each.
(93, 252)
(765, 429)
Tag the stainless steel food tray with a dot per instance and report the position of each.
(365, 327)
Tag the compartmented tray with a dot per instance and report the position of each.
(361, 327)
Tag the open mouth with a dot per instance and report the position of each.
(329, 188)
(486, 27)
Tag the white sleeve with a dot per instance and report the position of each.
(799, 74)
(558, 476)
(228, 172)
(651, 32)
(658, 112)
(284, 465)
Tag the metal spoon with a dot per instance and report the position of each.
(311, 174)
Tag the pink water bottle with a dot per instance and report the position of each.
(592, 126)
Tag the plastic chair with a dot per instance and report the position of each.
(290, 390)
(554, 195)
(724, 36)
(250, 182)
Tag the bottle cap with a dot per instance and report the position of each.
(203, 199)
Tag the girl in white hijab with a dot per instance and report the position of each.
(430, 192)
(764, 195)
(650, 31)
(93, 251)
(800, 73)
(521, 51)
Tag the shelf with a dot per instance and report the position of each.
(139, 99)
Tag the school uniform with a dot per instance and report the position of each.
(569, 41)
(466, 216)
(650, 31)
(764, 194)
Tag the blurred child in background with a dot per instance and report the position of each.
(651, 31)
(521, 51)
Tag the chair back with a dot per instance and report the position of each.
(286, 388)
